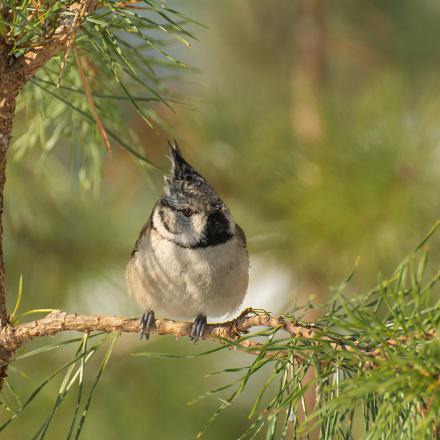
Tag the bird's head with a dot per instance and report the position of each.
(190, 213)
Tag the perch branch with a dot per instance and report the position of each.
(12, 337)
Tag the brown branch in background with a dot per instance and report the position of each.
(37, 56)
(8, 95)
(7, 106)
(99, 124)
(308, 70)
(81, 8)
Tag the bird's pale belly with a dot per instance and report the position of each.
(178, 283)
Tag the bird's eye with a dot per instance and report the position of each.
(187, 212)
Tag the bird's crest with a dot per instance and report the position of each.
(180, 168)
(184, 180)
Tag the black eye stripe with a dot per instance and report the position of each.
(173, 208)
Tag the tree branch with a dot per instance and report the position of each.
(36, 57)
(8, 95)
(12, 337)
(61, 38)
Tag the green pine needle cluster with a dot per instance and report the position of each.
(371, 369)
(125, 55)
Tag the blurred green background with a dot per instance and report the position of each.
(319, 126)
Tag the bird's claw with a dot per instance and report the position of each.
(237, 328)
(147, 323)
(198, 328)
(245, 314)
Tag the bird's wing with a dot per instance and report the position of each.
(240, 235)
(144, 231)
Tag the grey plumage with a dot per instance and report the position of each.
(191, 258)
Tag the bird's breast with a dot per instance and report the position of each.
(184, 282)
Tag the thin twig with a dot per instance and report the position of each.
(99, 124)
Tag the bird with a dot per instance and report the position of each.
(190, 260)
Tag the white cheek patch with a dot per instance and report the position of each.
(198, 223)
(186, 233)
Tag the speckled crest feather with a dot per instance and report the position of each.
(185, 182)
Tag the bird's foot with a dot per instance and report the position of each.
(237, 328)
(245, 313)
(198, 328)
(147, 323)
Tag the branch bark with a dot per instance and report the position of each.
(30, 62)
(8, 95)
(61, 39)
(12, 337)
